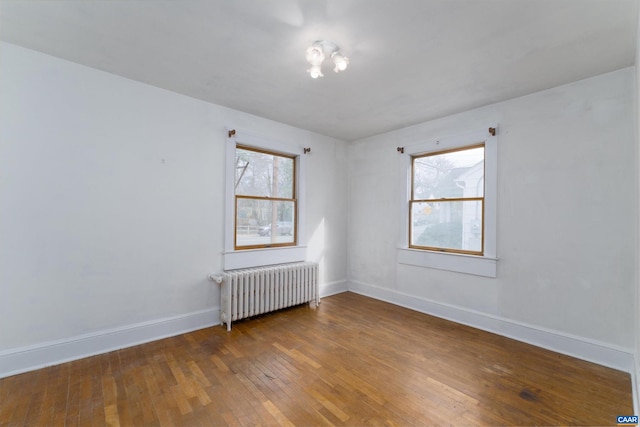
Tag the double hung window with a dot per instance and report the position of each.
(264, 209)
(265, 199)
(446, 210)
(449, 208)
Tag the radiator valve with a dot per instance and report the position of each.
(216, 278)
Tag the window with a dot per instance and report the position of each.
(265, 203)
(446, 210)
(449, 203)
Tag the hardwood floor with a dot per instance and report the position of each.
(352, 361)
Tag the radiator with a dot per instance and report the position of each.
(253, 291)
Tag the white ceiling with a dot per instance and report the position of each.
(411, 60)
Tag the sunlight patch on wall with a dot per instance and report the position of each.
(316, 248)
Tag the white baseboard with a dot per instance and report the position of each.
(23, 359)
(332, 288)
(583, 348)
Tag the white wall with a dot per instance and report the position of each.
(111, 205)
(567, 221)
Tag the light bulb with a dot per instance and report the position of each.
(315, 71)
(315, 55)
(340, 61)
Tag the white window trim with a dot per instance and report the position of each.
(481, 265)
(246, 258)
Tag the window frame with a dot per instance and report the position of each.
(266, 198)
(413, 200)
(481, 265)
(233, 258)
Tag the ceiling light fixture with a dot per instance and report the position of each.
(319, 51)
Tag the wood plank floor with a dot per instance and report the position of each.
(352, 361)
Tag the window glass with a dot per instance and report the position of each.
(446, 175)
(264, 222)
(265, 210)
(454, 225)
(446, 211)
(263, 174)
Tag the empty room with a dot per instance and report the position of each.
(319, 212)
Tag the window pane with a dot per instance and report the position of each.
(455, 174)
(263, 174)
(447, 225)
(264, 222)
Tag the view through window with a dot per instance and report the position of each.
(446, 210)
(265, 195)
